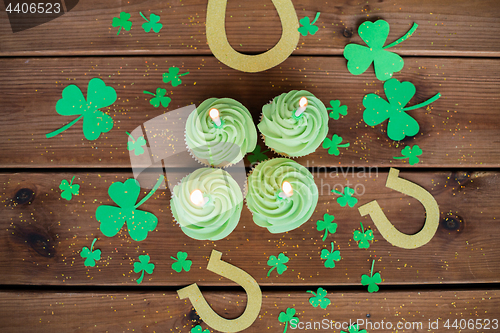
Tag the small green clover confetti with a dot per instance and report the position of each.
(410, 153)
(125, 195)
(333, 145)
(307, 26)
(337, 109)
(346, 198)
(91, 255)
(159, 98)
(144, 266)
(73, 103)
(363, 237)
(327, 225)
(68, 190)
(173, 76)
(360, 57)
(199, 329)
(371, 281)
(136, 145)
(398, 94)
(257, 155)
(122, 22)
(152, 23)
(319, 298)
(354, 329)
(331, 257)
(278, 263)
(287, 317)
(181, 262)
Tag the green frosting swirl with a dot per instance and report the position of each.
(291, 135)
(268, 208)
(227, 144)
(219, 216)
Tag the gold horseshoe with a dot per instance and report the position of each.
(388, 231)
(207, 314)
(222, 50)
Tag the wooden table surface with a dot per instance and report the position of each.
(45, 286)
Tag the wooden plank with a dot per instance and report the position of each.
(41, 235)
(459, 129)
(163, 312)
(446, 27)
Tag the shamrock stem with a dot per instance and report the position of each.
(344, 145)
(332, 248)
(62, 129)
(183, 74)
(326, 234)
(143, 16)
(158, 183)
(373, 264)
(133, 140)
(312, 292)
(429, 101)
(72, 180)
(286, 326)
(269, 273)
(174, 258)
(362, 229)
(316, 18)
(119, 30)
(147, 92)
(337, 192)
(400, 157)
(405, 37)
(92, 246)
(139, 280)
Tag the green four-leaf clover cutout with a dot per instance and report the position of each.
(330, 256)
(125, 195)
(385, 62)
(257, 155)
(199, 329)
(152, 23)
(410, 153)
(327, 225)
(363, 237)
(181, 262)
(159, 98)
(91, 255)
(346, 198)
(173, 76)
(319, 298)
(354, 329)
(122, 22)
(308, 26)
(337, 110)
(278, 263)
(333, 145)
(287, 317)
(68, 189)
(143, 265)
(73, 103)
(136, 145)
(372, 280)
(398, 94)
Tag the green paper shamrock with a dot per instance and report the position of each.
(122, 22)
(278, 263)
(136, 145)
(398, 94)
(68, 190)
(354, 329)
(287, 317)
(91, 255)
(326, 225)
(199, 329)
(173, 76)
(125, 195)
(346, 198)
(331, 257)
(371, 281)
(319, 298)
(152, 23)
(257, 155)
(337, 110)
(144, 266)
(363, 237)
(385, 62)
(159, 98)
(410, 153)
(181, 262)
(307, 26)
(333, 145)
(73, 103)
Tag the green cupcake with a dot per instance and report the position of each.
(265, 198)
(219, 211)
(290, 135)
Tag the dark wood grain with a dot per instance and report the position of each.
(446, 27)
(459, 129)
(41, 235)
